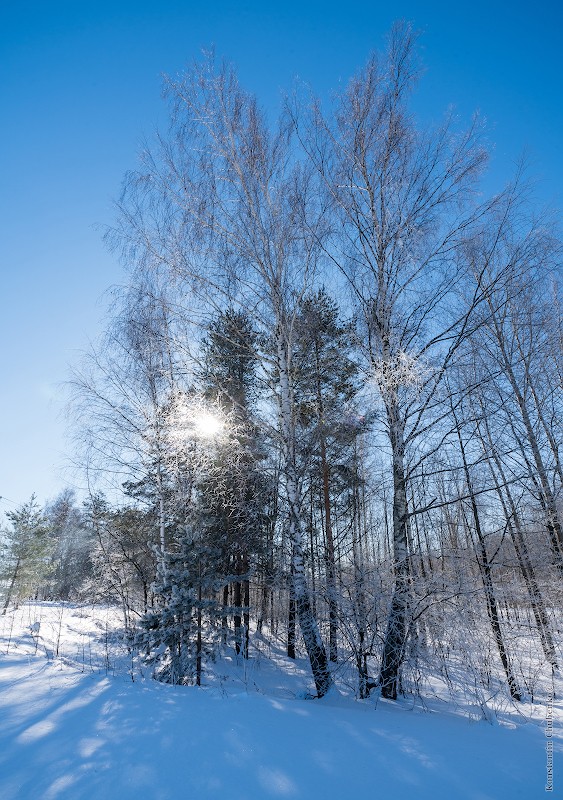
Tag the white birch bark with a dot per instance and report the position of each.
(307, 622)
(397, 624)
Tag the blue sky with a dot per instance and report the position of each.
(80, 91)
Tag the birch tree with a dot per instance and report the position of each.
(515, 358)
(223, 207)
(123, 394)
(403, 203)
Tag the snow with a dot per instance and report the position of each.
(81, 720)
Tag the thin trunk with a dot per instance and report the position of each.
(161, 520)
(224, 619)
(486, 575)
(11, 587)
(553, 522)
(199, 641)
(329, 550)
(263, 607)
(246, 615)
(524, 562)
(330, 558)
(307, 622)
(237, 603)
(267, 588)
(291, 620)
(312, 552)
(419, 542)
(359, 597)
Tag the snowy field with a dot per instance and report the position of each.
(81, 720)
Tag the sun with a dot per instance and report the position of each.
(191, 419)
(206, 425)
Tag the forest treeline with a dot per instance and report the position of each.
(328, 405)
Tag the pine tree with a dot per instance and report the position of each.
(217, 515)
(234, 492)
(325, 387)
(28, 547)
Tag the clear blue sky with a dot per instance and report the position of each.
(80, 89)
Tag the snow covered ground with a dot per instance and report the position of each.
(79, 720)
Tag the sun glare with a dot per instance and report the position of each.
(190, 419)
(207, 426)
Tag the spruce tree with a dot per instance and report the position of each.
(181, 630)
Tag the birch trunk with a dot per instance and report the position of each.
(307, 622)
(11, 589)
(524, 562)
(397, 625)
(486, 575)
(553, 522)
(360, 601)
(330, 558)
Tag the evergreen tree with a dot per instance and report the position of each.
(233, 493)
(181, 631)
(229, 363)
(325, 388)
(204, 576)
(27, 550)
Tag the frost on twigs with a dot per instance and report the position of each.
(192, 418)
(400, 371)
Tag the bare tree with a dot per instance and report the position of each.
(517, 340)
(123, 396)
(403, 202)
(516, 531)
(223, 207)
